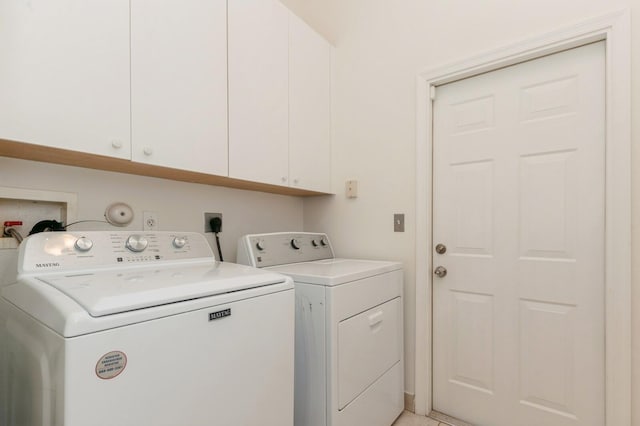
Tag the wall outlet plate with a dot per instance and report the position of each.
(149, 221)
(207, 220)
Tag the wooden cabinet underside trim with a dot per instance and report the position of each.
(26, 151)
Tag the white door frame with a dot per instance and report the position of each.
(614, 29)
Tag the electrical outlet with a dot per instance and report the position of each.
(207, 221)
(149, 221)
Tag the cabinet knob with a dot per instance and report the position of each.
(116, 143)
(147, 150)
(295, 181)
(283, 178)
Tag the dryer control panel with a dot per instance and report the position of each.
(281, 248)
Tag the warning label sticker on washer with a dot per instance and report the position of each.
(111, 364)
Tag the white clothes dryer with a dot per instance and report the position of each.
(349, 368)
(107, 328)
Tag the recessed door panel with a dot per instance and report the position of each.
(547, 205)
(546, 357)
(549, 99)
(473, 115)
(472, 348)
(473, 207)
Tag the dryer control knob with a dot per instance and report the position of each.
(323, 241)
(179, 242)
(136, 243)
(314, 243)
(83, 244)
(295, 244)
(260, 245)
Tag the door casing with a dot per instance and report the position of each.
(614, 29)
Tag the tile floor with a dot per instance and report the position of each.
(409, 419)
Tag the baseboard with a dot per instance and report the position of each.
(410, 402)
(443, 418)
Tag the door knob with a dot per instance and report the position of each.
(440, 271)
(441, 249)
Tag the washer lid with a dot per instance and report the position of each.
(331, 272)
(112, 292)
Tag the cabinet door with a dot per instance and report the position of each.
(258, 92)
(179, 84)
(64, 74)
(309, 108)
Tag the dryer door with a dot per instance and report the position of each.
(369, 344)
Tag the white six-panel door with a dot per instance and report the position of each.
(518, 321)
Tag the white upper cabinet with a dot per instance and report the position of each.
(231, 89)
(64, 74)
(309, 108)
(179, 84)
(258, 91)
(279, 98)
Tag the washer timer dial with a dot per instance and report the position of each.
(136, 243)
(83, 244)
(179, 242)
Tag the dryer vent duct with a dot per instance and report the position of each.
(119, 214)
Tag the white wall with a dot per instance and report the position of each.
(380, 48)
(180, 206)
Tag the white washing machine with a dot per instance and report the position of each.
(107, 328)
(349, 367)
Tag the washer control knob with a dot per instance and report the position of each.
(83, 244)
(179, 242)
(136, 243)
(260, 245)
(323, 241)
(295, 244)
(314, 243)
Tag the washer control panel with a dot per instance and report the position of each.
(260, 250)
(71, 251)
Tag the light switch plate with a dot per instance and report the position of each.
(351, 188)
(398, 222)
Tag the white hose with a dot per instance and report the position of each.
(13, 233)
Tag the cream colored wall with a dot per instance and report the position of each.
(179, 205)
(635, 211)
(381, 46)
